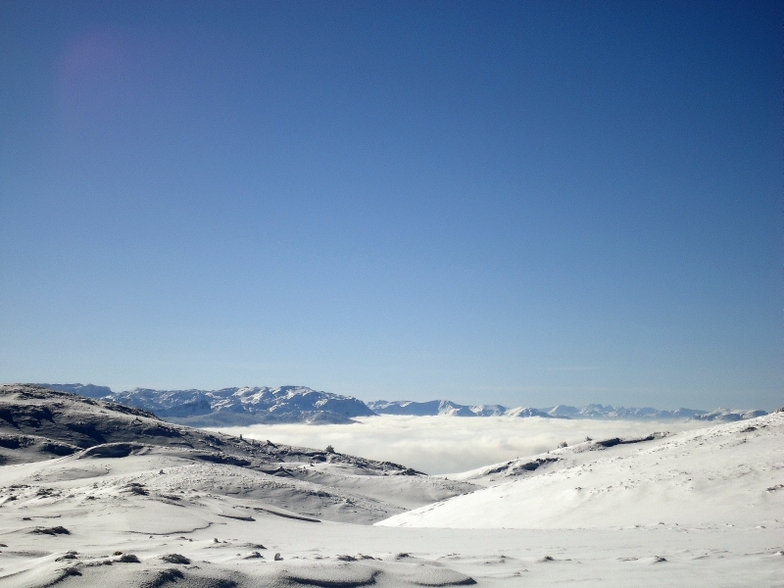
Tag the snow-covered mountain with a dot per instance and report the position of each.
(431, 408)
(233, 406)
(88, 390)
(449, 408)
(290, 404)
(599, 411)
(724, 414)
(591, 411)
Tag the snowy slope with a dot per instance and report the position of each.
(723, 475)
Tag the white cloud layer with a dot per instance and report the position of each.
(442, 444)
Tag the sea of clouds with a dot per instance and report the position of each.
(444, 444)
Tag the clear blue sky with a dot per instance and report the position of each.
(527, 203)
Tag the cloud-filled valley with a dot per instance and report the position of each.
(443, 444)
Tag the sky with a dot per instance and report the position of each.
(525, 203)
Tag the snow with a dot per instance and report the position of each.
(705, 478)
(160, 515)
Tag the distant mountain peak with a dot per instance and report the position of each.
(247, 405)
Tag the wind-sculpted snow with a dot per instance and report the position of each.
(591, 411)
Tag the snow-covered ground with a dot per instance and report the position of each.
(696, 508)
(720, 476)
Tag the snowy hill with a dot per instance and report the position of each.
(728, 474)
(38, 424)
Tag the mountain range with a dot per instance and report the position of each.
(293, 404)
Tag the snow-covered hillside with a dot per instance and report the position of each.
(38, 424)
(730, 474)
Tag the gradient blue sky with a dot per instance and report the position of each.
(527, 203)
